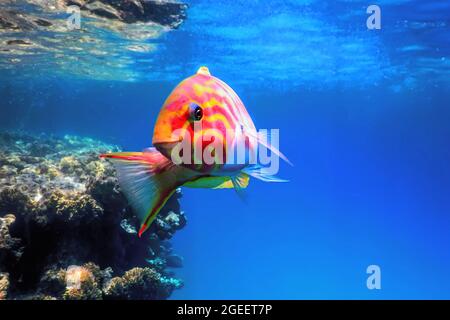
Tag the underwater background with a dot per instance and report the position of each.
(363, 115)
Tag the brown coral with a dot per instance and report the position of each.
(81, 284)
(74, 207)
(4, 285)
(69, 165)
(137, 284)
(10, 247)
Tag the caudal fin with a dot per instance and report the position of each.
(146, 179)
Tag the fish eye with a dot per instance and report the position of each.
(196, 112)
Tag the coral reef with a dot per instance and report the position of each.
(4, 284)
(66, 231)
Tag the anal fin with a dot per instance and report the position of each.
(216, 182)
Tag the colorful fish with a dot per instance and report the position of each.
(201, 130)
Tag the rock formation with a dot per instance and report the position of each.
(101, 46)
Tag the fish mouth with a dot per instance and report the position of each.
(167, 141)
(166, 146)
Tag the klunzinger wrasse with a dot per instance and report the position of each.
(200, 130)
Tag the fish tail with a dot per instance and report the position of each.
(147, 179)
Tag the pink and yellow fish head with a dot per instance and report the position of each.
(206, 113)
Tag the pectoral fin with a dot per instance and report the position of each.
(263, 139)
(262, 173)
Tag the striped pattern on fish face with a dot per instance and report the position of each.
(223, 117)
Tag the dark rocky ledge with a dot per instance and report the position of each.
(163, 12)
(36, 34)
(166, 13)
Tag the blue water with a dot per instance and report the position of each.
(363, 115)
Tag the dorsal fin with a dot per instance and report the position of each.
(203, 70)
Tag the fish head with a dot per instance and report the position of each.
(200, 116)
